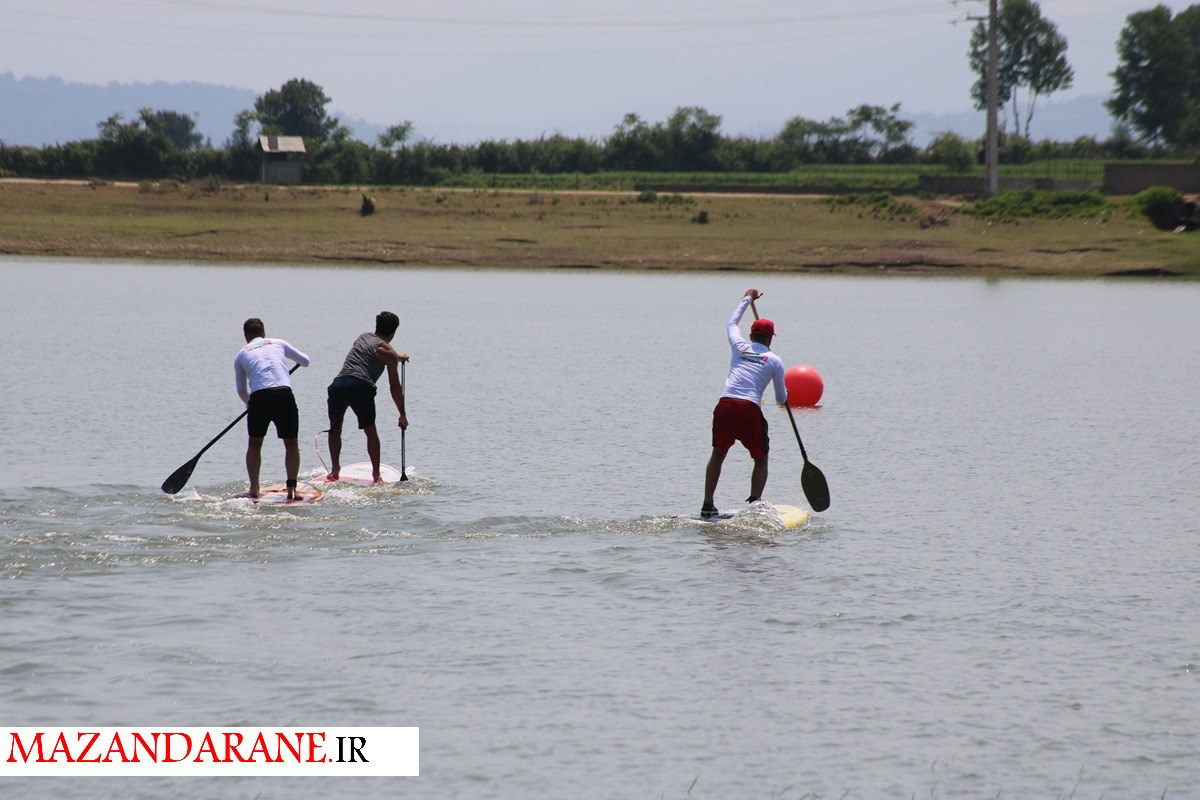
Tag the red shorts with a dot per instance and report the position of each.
(740, 420)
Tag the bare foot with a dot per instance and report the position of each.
(331, 477)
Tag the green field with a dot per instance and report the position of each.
(850, 177)
(557, 227)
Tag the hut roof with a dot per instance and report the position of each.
(281, 144)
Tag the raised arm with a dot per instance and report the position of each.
(734, 329)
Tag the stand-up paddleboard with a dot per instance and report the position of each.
(790, 516)
(360, 473)
(276, 495)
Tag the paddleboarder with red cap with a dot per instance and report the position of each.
(738, 415)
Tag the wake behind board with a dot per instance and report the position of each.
(276, 495)
(360, 473)
(790, 516)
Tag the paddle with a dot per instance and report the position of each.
(812, 480)
(179, 477)
(403, 472)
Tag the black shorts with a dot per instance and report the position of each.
(346, 392)
(276, 405)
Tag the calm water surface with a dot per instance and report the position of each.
(1001, 601)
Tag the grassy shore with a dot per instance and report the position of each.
(610, 230)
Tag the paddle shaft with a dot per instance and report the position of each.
(792, 418)
(403, 470)
(787, 405)
(812, 480)
(180, 476)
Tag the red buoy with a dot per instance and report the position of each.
(804, 386)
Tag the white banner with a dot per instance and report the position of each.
(167, 752)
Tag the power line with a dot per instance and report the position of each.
(442, 53)
(688, 21)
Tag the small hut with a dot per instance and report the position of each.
(282, 158)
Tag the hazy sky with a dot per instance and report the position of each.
(461, 70)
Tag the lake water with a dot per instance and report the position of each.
(1002, 599)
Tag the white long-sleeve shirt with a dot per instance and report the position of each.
(752, 365)
(262, 364)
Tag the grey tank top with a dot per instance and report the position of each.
(361, 362)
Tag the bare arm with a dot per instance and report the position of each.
(397, 393)
(388, 355)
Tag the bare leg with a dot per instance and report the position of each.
(373, 451)
(335, 454)
(758, 477)
(254, 462)
(712, 474)
(291, 462)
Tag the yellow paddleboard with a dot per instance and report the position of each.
(790, 516)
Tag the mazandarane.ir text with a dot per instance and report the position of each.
(209, 751)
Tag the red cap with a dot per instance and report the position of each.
(762, 326)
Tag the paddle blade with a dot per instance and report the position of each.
(179, 477)
(816, 490)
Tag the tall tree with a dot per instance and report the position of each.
(890, 133)
(139, 148)
(1033, 56)
(633, 145)
(179, 128)
(395, 136)
(1188, 21)
(297, 109)
(692, 135)
(1152, 75)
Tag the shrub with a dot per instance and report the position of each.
(954, 152)
(1029, 204)
(1160, 205)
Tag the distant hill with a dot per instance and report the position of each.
(45, 111)
(42, 111)
(1057, 120)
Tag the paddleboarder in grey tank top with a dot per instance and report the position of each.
(354, 388)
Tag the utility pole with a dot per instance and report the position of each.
(992, 148)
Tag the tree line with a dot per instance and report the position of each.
(1156, 101)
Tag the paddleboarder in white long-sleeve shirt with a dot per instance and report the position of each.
(738, 415)
(265, 386)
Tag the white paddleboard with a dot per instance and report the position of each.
(276, 495)
(360, 473)
(790, 516)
